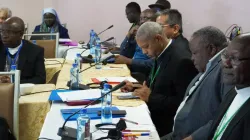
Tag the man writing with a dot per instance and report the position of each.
(170, 75)
(28, 57)
(233, 119)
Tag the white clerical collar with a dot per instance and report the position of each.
(170, 41)
(13, 51)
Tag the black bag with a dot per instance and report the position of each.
(5, 133)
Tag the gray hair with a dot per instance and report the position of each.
(211, 35)
(7, 10)
(174, 17)
(148, 30)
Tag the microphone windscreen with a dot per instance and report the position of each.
(110, 27)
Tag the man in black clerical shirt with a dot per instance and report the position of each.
(27, 57)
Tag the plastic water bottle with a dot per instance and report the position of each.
(106, 112)
(83, 126)
(74, 81)
(12, 69)
(98, 56)
(78, 60)
(92, 41)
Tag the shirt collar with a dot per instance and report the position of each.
(209, 64)
(13, 51)
(243, 91)
(170, 41)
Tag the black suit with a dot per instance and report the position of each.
(239, 127)
(30, 62)
(168, 89)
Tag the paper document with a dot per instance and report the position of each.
(116, 79)
(80, 95)
(65, 40)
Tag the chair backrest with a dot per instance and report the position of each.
(9, 101)
(50, 46)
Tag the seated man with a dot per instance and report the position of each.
(28, 57)
(205, 93)
(233, 118)
(5, 13)
(128, 45)
(51, 24)
(139, 57)
(160, 5)
(173, 70)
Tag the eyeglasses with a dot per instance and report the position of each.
(9, 32)
(234, 60)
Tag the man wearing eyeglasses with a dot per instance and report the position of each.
(233, 119)
(171, 21)
(205, 93)
(26, 56)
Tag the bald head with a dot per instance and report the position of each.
(12, 32)
(147, 15)
(236, 61)
(16, 23)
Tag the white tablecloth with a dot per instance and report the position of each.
(139, 114)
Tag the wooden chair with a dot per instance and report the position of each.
(50, 46)
(9, 102)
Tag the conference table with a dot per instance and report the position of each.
(32, 111)
(136, 109)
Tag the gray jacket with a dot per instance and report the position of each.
(196, 116)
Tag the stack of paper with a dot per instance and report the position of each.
(80, 95)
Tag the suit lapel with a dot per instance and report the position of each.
(22, 56)
(2, 58)
(223, 108)
(213, 65)
(243, 110)
(192, 83)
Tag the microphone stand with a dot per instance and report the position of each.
(70, 133)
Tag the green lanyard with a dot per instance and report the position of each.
(154, 74)
(221, 128)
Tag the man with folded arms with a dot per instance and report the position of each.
(233, 119)
(173, 70)
(27, 57)
(205, 93)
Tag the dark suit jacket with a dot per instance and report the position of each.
(196, 116)
(63, 32)
(145, 66)
(30, 62)
(168, 89)
(239, 127)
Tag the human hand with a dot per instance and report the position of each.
(188, 138)
(4, 79)
(128, 87)
(143, 92)
(132, 31)
(120, 59)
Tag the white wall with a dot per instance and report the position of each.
(83, 15)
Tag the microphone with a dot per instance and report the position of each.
(111, 38)
(68, 133)
(111, 26)
(90, 60)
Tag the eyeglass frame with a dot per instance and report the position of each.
(9, 32)
(233, 60)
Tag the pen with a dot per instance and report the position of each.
(131, 134)
(136, 131)
(129, 121)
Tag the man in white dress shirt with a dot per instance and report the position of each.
(205, 93)
(233, 120)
